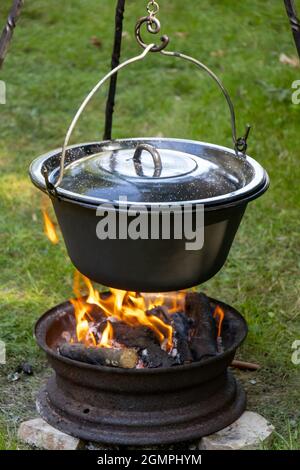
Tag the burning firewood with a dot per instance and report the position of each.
(126, 358)
(203, 342)
(181, 324)
(160, 312)
(127, 329)
(147, 344)
(181, 352)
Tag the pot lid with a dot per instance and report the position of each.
(156, 171)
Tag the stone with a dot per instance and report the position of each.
(36, 432)
(249, 432)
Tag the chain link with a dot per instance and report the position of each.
(152, 25)
(152, 8)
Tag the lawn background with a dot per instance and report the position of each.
(51, 65)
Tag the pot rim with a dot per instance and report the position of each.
(256, 187)
(116, 207)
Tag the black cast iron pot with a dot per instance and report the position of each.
(182, 174)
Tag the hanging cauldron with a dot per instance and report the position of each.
(121, 180)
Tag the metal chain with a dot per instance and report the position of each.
(152, 8)
(294, 21)
(152, 25)
(8, 30)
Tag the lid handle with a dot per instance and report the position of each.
(156, 159)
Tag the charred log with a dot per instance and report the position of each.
(203, 341)
(181, 352)
(153, 356)
(146, 342)
(161, 313)
(126, 358)
(134, 337)
(182, 324)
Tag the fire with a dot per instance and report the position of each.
(125, 306)
(49, 227)
(219, 314)
(107, 336)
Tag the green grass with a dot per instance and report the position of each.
(50, 67)
(6, 442)
(290, 440)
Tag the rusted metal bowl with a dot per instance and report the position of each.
(139, 406)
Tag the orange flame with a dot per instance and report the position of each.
(49, 228)
(107, 336)
(128, 307)
(83, 332)
(219, 314)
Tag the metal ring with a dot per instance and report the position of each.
(155, 9)
(156, 28)
(51, 189)
(150, 21)
(156, 159)
(241, 143)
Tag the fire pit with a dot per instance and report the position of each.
(142, 402)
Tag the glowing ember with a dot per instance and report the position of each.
(219, 315)
(128, 307)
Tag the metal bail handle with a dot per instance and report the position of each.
(156, 159)
(52, 186)
(239, 144)
(153, 27)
